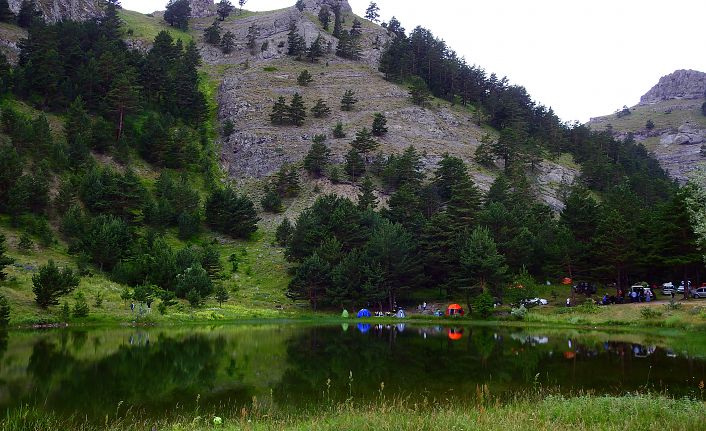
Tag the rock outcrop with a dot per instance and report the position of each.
(315, 5)
(202, 8)
(682, 84)
(60, 10)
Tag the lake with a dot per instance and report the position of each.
(162, 371)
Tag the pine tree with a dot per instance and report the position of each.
(6, 14)
(305, 78)
(419, 92)
(355, 165)
(287, 181)
(356, 29)
(348, 101)
(379, 127)
(464, 206)
(280, 112)
(271, 201)
(372, 13)
(367, 198)
(317, 158)
(364, 143)
(253, 34)
(80, 306)
(229, 213)
(337, 24)
(28, 13)
(50, 282)
(338, 131)
(178, 13)
(296, 46)
(212, 34)
(4, 312)
(324, 16)
(123, 98)
(4, 259)
(284, 232)
(224, 8)
(221, 295)
(211, 261)
(296, 111)
(451, 171)
(228, 42)
(481, 264)
(241, 3)
(320, 109)
(484, 155)
(316, 50)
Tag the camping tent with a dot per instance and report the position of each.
(454, 310)
(344, 314)
(400, 314)
(363, 313)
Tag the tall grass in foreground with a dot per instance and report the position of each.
(535, 412)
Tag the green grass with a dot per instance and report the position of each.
(539, 411)
(682, 111)
(146, 28)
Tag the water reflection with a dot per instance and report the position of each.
(155, 370)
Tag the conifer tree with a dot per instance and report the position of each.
(224, 8)
(316, 50)
(324, 16)
(379, 127)
(241, 3)
(271, 201)
(280, 112)
(372, 13)
(6, 14)
(300, 5)
(482, 265)
(221, 295)
(80, 306)
(228, 42)
(338, 131)
(211, 261)
(253, 33)
(28, 13)
(287, 181)
(123, 98)
(320, 109)
(419, 92)
(4, 312)
(4, 259)
(367, 198)
(305, 78)
(50, 283)
(284, 232)
(348, 101)
(212, 34)
(337, 22)
(318, 157)
(178, 13)
(229, 213)
(355, 165)
(464, 206)
(296, 46)
(364, 143)
(451, 171)
(296, 111)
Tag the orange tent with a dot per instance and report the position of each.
(455, 334)
(454, 310)
(566, 282)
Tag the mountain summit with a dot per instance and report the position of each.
(681, 84)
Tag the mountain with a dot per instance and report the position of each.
(677, 133)
(60, 10)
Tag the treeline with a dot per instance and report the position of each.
(442, 234)
(117, 104)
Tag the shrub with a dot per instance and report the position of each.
(98, 300)
(50, 283)
(338, 132)
(228, 128)
(649, 125)
(649, 313)
(4, 311)
(80, 305)
(519, 313)
(483, 305)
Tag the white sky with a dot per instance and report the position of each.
(584, 58)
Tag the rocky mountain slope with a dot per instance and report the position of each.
(678, 136)
(58, 10)
(252, 81)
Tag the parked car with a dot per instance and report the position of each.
(668, 288)
(699, 293)
(533, 302)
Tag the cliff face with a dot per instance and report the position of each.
(202, 8)
(677, 137)
(59, 10)
(682, 84)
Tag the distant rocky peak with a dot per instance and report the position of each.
(682, 84)
(203, 8)
(315, 5)
(59, 10)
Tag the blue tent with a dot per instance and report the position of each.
(363, 313)
(363, 327)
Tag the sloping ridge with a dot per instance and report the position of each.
(252, 83)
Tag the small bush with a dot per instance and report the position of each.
(519, 313)
(673, 305)
(269, 69)
(483, 305)
(80, 306)
(588, 307)
(649, 313)
(4, 311)
(98, 300)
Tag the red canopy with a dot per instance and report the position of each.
(454, 309)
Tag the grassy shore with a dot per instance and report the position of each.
(536, 412)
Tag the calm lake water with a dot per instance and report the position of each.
(158, 371)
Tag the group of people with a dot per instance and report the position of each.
(634, 295)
